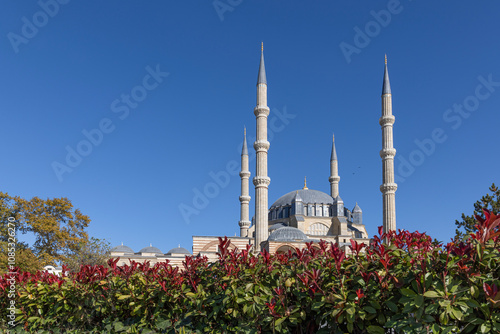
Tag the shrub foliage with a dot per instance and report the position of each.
(407, 285)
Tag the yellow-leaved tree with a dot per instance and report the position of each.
(58, 229)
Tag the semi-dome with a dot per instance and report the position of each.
(122, 249)
(287, 234)
(277, 226)
(178, 250)
(308, 196)
(151, 249)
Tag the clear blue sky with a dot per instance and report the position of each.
(64, 73)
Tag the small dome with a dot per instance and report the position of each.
(308, 196)
(277, 226)
(178, 250)
(122, 249)
(357, 208)
(287, 234)
(151, 249)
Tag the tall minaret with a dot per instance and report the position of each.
(388, 187)
(334, 172)
(245, 197)
(261, 145)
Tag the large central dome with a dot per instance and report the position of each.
(307, 195)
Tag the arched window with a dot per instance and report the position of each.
(318, 229)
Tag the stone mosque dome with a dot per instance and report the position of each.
(308, 196)
(151, 249)
(122, 249)
(178, 250)
(287, 234)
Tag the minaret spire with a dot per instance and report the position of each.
(245, 197)
(388, 187)
(262, 68)
(334, 172)
(261, 145)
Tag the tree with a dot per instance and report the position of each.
(59, 229)
(488, 201)
(92, 252)
(24, 258)
(10, 247)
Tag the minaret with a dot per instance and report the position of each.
(261, 145)
(334, 172)
(388, 187)
(245, 197)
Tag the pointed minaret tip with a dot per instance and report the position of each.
(333, 156)
(244, 150)
(305, 183)
(262, 68)
(386, 86)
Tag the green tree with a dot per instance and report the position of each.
(489, 201)
(92, 252)
(59, 229)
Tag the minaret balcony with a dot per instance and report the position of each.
(261, 111)
(261, 145)
(387, 120)
(245, 174)
(245, 199)
(261, 181)
(388, 188)
(334, 178)
(387, 153)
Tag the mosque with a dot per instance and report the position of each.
(300, 216)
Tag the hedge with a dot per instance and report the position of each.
(402, 282)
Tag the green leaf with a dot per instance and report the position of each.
(163, 324)
(474, 291)
(335, 312)
(393, 307)
(123, 297)
(279, 321)
(407, 292)
(456, 313)
(119, 327)
(431, 294)
(375, 330)
(316, 306)
(472, 303)
(485, 327)
(370, 309)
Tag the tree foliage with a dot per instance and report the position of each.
(489, 201)
(94, 252)
(58, 228)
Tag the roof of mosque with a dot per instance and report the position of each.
(308, 196)
(150, 249)
(287, 234)
(122, 249)
(179, 250)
